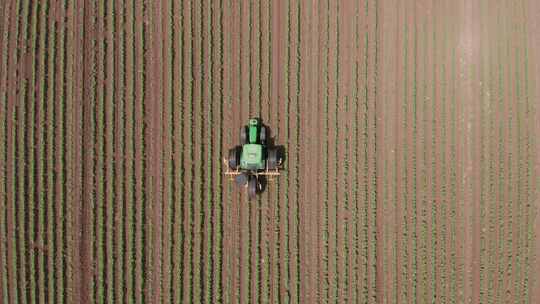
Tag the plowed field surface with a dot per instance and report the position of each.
(411, 131)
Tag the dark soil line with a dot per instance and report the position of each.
(68, 244)
(418, 145)
(233, 140)
(26, 137)
(506, 176)
(515, 231)
(100, 161)
(533, 44)
(24, 80)
(151, 136)
(380, 153)
(492, 140)
(522, 63)
(285, 224)
(52, 174)
(398, 163)
(88, 167)
(177, 254)
(264, 110)
(119, 152)
(285, 208)
(202, 177)
(167, 129)
(309, 20)
(61, 147)
(334, 131)
(411, 154)
(248, 79)
(274, 98)
(140, 181)
(438, 155)
(518, 221)
(19, 158)
(177, 274)
(371, 79)
(225, 88)
(447, 164)
(388, 92)
(76, 67)
(216, 196)
(514, 177)
(246, 208)
(255, 50)
(342, 194)
(429, 148)
(110, 141)
(129, 207)
(4, 11)
(453, 214)
(467, 185)
(322, 267)
(4, 261)
(499, 147)
(187, 108)
(494, 167)
(295, 125)
(451, 113)
(354, 232)
(60, 158)
(211, 190)
(253, 101)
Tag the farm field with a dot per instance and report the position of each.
(410, 127)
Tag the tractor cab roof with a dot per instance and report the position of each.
(252, 157)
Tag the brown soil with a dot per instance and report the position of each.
(411, 172)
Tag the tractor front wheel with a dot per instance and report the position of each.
(243, 135)
(234, 157)
(263, 135)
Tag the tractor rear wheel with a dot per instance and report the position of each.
(253, 187)
(273, 160)
(234, 157)
(243, 135)
(263, 135)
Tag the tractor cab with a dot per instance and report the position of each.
(252, 157)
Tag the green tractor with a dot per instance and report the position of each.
(254, 159)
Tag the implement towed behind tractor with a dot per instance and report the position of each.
(254, 158)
